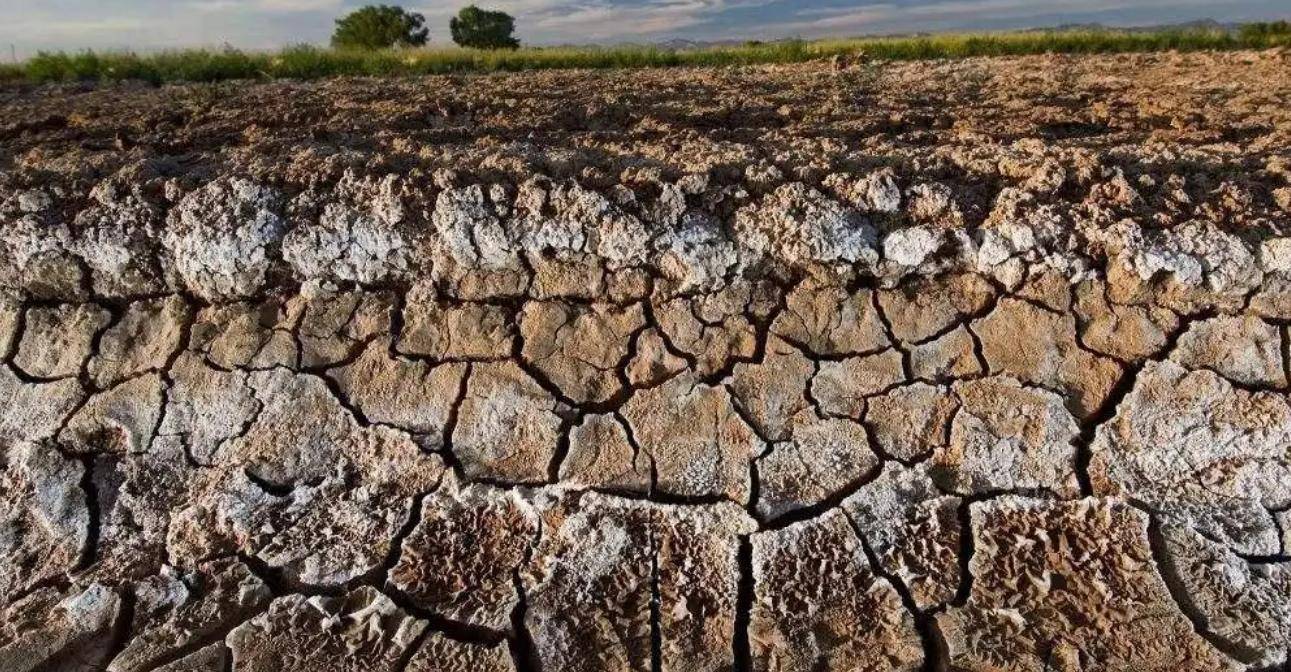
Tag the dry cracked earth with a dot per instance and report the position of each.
(847, 366)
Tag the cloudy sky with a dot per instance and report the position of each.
(30, 25)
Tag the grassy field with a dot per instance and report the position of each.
(312, 62)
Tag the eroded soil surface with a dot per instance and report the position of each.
(979, 365)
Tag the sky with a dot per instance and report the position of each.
(27, 26)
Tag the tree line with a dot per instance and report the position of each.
(387, 26)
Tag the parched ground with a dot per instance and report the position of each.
(971, 365)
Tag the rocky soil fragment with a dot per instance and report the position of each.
(211, 658)
(10, 312)
(251, 335)
(591, 586)
(304, 488)
(207, 406)
(699, 445)
(348, 244)
(773, 391)
(330, 327)
(444, 331)
(602, 456)
(798, 224)
(842, 387)
(825, 319)
(56, 341)
(412, 395)
(220, 237)
(1008, 437)
(1126, 332)
(138, 495)
(921, 310)
(1045, 353)
(33, 410)
(611, 575)
(1190, 444)
(654, 361)
(438, 653)
(580, 349)
(713, 330)
(69, 630)
(910, 423)
(44, 517)
(1069, 585)
(173, 612)
(913, 531)
(507, 425)
(1243, 607)
(359, 630)
(1244, 350)
(461, 560)
(142, 340)
(953, 355)
(697, 575)
(822, 459)
(818, 605)
(120, 420)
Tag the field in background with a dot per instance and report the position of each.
(310, 62)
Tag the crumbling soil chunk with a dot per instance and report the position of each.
(1099, 600)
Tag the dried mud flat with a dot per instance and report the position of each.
(974, 365)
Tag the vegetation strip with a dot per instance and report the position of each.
(306, 62)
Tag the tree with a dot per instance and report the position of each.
(483, 29)
(380, 27)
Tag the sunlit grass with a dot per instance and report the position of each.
(200, 65)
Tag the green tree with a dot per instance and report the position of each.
(483, 29)
(380, 27)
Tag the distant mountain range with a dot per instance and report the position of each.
(680, 44)
(1200, 24)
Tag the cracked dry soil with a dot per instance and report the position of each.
(973, 365)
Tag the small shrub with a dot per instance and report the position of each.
(380, 27)
(10, 73)
(483, 29)
(1265, 30)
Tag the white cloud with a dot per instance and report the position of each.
(75, 28)
(886, 16)
(256, 24)
(266, 6)
(300, 5)
(601, 20)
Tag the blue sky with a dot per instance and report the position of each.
(30, 25)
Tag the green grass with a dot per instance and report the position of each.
(310, 62)
(10, 73)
